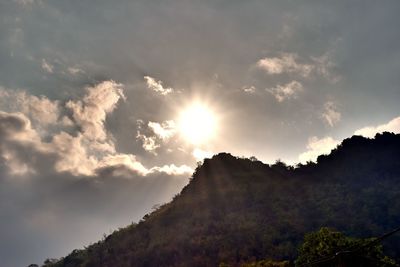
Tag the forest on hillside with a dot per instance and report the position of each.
(239, 211)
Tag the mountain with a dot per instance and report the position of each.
(237, 210)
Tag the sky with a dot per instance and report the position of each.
(107, 106)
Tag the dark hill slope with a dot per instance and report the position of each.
(236, 210)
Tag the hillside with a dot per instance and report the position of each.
(237, 210)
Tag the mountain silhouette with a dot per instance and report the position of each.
(236, 210)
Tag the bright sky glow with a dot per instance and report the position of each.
(197, 123)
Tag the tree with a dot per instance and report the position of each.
(328, 247)
(267, 263)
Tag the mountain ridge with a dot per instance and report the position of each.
(236, 210)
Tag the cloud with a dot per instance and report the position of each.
(149, 143)
(172, 169)
(16, 127)
(90, 113)
(47, 66)
(149, 140)
(72, 155)
(81, 145)
(27, 2)
(155, 133)
(316, 147)
(324, 65)
(287, 63)
(123, 160)
(40, 110)
(119, 161)
(371, 131)
(331, 115)
(164, 130)
(286, 91)
(157, 86)
(126, 165)
(21, 145)
(249, 89)
(74, 70)
(16, 137)
(200, 154)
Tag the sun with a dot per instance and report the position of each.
(197, 123)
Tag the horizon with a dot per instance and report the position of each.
(106, 108)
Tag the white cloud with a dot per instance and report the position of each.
(316, 147)
(172, 170)
(200, 154)
(371, 131)
(164, 130)
(157, 86)
(47, 66)
(331, 115)
(149, 143)
(127, 160)
(87, 150)
(155, 133)
(123, 164)
(75, 70)
(15, 133)
(287, 63)
(249, 89)
(16, 127)
(65, 121)
(104, 147)
(79, 152)
(39, 109)
(286, 91)
(21, 145)
(90, 113)
(73, 155)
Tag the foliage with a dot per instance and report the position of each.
(240, 210)
(266, 263)
(327, 246)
